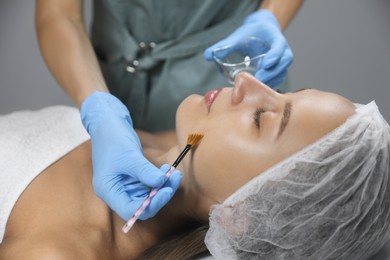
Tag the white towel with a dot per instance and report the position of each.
(30, 141)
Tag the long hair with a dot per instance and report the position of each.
(186, 245)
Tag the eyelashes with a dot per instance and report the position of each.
(257, 115)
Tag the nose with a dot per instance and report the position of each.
(247, 87)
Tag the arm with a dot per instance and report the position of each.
(67, 49)
(283, 10)
(122, 175)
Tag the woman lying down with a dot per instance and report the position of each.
(301, 175)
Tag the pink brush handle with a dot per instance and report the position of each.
(146, 203)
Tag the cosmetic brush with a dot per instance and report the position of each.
(192, 141)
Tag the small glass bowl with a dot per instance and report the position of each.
(245, 56)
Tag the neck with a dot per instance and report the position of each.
(174, 217)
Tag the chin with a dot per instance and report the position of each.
(188, 115)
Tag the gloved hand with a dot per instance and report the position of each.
(262, 24)
(122, 176)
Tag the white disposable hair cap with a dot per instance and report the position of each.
(329, 201)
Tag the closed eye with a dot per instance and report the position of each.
(257, 115)
(283, 92)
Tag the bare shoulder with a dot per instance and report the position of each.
(44, 250)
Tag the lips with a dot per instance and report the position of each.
(210, 97)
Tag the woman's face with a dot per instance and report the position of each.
(248, 129)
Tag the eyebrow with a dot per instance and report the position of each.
(285, 118)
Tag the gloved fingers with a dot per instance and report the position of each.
(157, 202)
(271, 79)
(136, 190)
(275, 82)
(174, 180)
(164, 194)
(165, 168)
(129, 207)
(229, 43)
(283, 65)
(278, 72)
(116, 195)
(144, 171)
(274, 54)
(208, 53)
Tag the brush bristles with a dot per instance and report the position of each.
(194, 139)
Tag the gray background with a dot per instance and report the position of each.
(339, 46)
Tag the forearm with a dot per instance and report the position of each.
(67, 51)
(284, 10)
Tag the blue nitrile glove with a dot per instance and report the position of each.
(122, 177)
(262, 24)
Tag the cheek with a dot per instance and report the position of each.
(188, 115)
(222, 164)
(228, 156)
